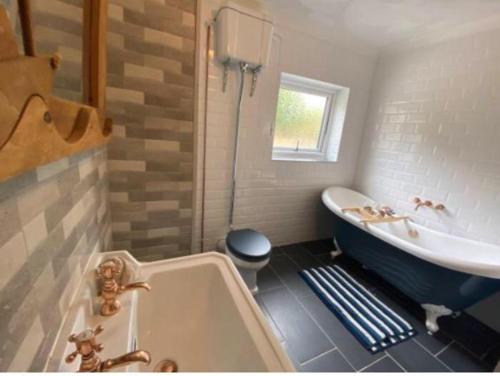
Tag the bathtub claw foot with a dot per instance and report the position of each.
(336, 252)
(433, 313)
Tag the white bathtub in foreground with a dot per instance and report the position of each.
(441, 272)
(199, 313)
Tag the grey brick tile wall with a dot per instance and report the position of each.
(54, 218)
(151, 100)
(50, 227)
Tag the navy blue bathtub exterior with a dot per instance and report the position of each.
(422, 281)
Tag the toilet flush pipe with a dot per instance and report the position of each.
(243, 70)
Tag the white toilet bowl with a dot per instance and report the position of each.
(250, 252)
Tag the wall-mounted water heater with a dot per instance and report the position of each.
(243, 35)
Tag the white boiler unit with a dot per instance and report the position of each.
(243, 35)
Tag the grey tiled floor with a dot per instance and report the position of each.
(316, 340)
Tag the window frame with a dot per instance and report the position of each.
(307, 86)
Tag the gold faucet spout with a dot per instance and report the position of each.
(124, 360)
(134, 286)
(88, 348)
(110, 274)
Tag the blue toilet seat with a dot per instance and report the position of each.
(248, 245)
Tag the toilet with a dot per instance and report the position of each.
(250, 251)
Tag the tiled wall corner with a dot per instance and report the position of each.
(433, 131)
(150, 97)
(53, 219)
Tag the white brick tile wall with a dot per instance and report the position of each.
(433, 130)
(281, 199)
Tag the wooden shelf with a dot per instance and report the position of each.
(36, 127)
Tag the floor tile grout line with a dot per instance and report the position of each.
(318, 356)
(450, 337)
(395, 361)
(469, 352)
(340, 352)
(435, 357)
(310, 315)
(298, 298)
(485, 354)
(269, 289)
(313, 320)
(443, 349)
(439, 360)
(326, 334)
(371, 364)
(315, 258)
(272, 319)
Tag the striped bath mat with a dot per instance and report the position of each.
(374, 324)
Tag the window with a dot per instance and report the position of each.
(307, 111)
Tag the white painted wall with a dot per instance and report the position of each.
(433, 130)
(281, 199)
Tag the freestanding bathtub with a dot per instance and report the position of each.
(445, 274)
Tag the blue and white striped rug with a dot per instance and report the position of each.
(375, 325)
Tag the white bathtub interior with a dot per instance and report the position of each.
(215, 338)
(199, 313)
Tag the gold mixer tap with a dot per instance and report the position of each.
(87, 347)
(110, 273)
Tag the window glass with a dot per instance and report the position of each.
(309, 121)
(299, 120)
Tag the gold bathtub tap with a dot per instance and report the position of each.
(419, 203)
(440, 207)
(428, 204)
(110, 273)
(87, 347)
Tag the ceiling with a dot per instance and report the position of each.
(386, 24)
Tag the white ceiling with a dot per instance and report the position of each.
(386, 24)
